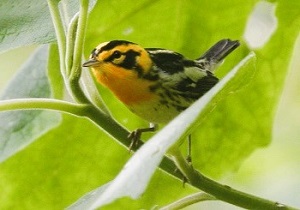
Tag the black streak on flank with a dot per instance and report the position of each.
(199, 88)
(152, 76)
(179, 108)
(155, 87)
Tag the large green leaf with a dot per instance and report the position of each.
(29, 22)
(24, 23)
(20, 128)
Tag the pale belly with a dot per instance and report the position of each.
(156, 112)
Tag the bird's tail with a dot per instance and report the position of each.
(219, 51)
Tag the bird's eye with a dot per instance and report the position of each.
(117, 54)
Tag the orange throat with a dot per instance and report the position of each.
(129, 89)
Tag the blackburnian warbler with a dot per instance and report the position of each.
(155, 84)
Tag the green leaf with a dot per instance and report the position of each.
(189, 27)
(24, 23)
(29, 22)
(20, 128)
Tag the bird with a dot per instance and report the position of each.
(155, 83)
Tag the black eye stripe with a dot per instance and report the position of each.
(115, 55)
(129, 60)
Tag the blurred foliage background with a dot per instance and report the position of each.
(271, 172)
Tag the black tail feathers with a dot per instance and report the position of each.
(219, 51)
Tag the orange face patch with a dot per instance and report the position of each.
(124, 83)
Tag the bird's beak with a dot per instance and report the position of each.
(91, 62)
